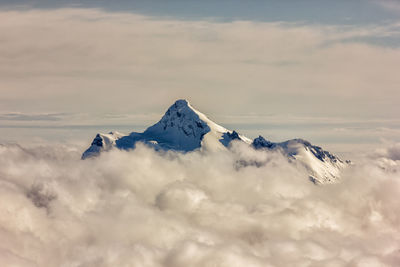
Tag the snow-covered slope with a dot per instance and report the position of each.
(102, 142)
(322, 166)
(184, 129)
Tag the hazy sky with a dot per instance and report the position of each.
(322, 70)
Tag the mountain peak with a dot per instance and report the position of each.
(180, 109)
(180, 126)
(181, 103)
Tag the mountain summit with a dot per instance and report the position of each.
(184, 129)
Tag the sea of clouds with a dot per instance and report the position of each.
(146, 208)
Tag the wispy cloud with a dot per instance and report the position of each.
(31, 117)
(391, 5)
(91, 61)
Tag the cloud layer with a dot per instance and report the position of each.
(142, 208)
(115, 61)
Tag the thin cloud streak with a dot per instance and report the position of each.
(31, 117)
(390, 5)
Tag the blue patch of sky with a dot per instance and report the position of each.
(347, 12)
(385, 41)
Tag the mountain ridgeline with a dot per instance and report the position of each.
(184, 129)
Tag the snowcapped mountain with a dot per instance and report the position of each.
(322, 166)
(184, 129)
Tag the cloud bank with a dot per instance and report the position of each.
(93, 61)
(143, 208)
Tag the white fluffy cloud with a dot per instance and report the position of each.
(142, 208)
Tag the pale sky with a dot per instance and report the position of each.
(326, 71)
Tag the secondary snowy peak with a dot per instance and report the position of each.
(102, 142)
(323, 166)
